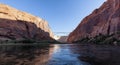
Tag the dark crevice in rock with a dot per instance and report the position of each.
(27, 29)
(108, 30)
(3, 12)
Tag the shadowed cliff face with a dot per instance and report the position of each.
(15, 24)
(105, 20)
(18, 30)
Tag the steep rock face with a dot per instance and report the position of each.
(15, 24)
(105, 20)
(62, 39)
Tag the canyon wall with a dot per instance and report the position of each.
(17, 25)
(104, 20)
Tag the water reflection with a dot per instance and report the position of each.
(24, 55)
(56, 48)
(98, 54)
(54, 54)
(62, 55)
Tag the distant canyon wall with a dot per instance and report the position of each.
(62, 39)
(105, 20)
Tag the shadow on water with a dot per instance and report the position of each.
(98, 54)
(24, 55)
(59, 54)
(54, 54)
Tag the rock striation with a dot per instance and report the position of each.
(105, 20)
(17, 25)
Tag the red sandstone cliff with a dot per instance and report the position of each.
(16, 25)
(105, 20)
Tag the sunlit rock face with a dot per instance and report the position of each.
(15, 24)
(105, 20)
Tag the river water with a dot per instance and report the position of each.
(53, 54)
(59, 54)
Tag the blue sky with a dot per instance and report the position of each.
(62, 15)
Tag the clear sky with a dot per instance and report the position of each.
(62, 15)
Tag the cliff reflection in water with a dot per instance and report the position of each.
(98, 54)
(25, 55)
(53, 54)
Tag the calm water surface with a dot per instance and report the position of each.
(54, 54)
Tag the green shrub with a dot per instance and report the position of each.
(109, 40)
(25, 41)
(86, 39)
(99, 39)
